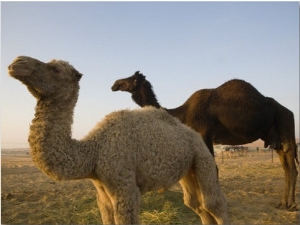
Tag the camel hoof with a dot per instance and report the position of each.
(293, 208)
(281, 206)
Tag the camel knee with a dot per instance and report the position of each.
(215, 205)
(126, 214)
(126, 207)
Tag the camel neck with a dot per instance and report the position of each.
(52, 148)
(179, 113)
(53, 116)
(145, 96)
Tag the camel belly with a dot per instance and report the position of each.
(226, 137)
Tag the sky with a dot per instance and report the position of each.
(180, 47)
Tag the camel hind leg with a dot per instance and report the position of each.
(287, 150)
(212, 199)
(191, 196)
(287, 158)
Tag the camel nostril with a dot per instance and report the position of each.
(116, 86)
(18, 60)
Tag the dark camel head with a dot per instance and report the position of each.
(56, 79)
(129, 84)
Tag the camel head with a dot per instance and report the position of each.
(129, 84)
(56, 79)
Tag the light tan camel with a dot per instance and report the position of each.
(125, 155)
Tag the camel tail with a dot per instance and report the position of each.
(296, 156)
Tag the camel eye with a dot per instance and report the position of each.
(54, 69)
(137, 82)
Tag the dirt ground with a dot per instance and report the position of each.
(252, 184)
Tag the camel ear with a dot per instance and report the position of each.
(142, 75)
(139, 73)
(78, 76)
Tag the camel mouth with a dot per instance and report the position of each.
(18, 72)
(17, 68)
(116, 86)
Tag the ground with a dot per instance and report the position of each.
(252, 184)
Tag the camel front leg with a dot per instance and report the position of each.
(126, 203)
(105, 205)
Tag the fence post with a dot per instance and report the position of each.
(272, 154)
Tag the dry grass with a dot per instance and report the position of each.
(166, 208)
(252, 185)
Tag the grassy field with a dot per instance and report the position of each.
(252, 185)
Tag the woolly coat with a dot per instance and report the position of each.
(128, 153)
(147, 145)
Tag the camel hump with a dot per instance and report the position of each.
(230, 95)
(240, 89)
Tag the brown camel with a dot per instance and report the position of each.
(234, 113)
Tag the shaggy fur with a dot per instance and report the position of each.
(234, 113)
(125, 155)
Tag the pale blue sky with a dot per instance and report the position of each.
(180, 46)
